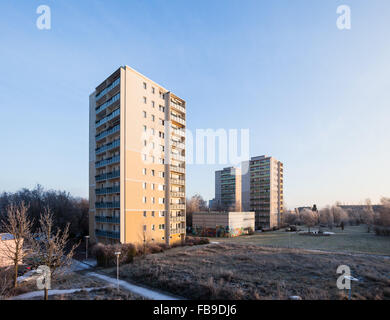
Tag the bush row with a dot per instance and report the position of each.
(105, 254)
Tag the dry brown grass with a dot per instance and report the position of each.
(233, 271)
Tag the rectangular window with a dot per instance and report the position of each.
(144, 199)
(144, 227)
(153, 90)
(144, 114)
(145, 85)
(145, 100)
(152, 172)
(153, 118)
(152, 227)
(144, 171)
(144, 185)
(152, 186)
(145, 214)
(153, 104)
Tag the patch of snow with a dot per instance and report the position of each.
(39, 293)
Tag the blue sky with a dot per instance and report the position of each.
(313, 96)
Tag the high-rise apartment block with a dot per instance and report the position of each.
(137, 161)
(228, 189)
(262, 190)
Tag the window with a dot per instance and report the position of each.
(161, 122)
(144, 227)
(145, 85)
(145, 100)
(145, 129)
(152, 227)
(152, 213)
(152, 130)
(152, 186)
(144, 114)
(144, 185)
(152, 172)
(144, 199)
(153, 90)
(144, 157)
(161, 200)
(153, 104)
(161, 187)
(153, 117)
(161, 226)
(145, 214)
(152, 159)
(161, 174)
(144, 171)
(153, 200)
(161, 214)
(161, 108)
(145, 143)
(161, 134)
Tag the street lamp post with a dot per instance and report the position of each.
(350, 278)
(86, 247)
(118, 253)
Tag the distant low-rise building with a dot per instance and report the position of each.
(222, 224)
(7, 244)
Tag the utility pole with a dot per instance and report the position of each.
(117, 268)
(86, 247)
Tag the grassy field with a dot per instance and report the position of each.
(243, 271)
(354, 239)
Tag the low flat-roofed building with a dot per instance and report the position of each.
(222, 224)
(7, 243)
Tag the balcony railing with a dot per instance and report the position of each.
(178, 231)
(107, 219)
(180, 182)
(111, 116)
(177, 194)
(108, 146)
(108, 103)
(177, 169)
(179, 132)
(108, 190)
(177, 206)
(178, 145)
(107, 234)
(107, 205)
(107, 176)
(107, 132)
(178, 157)
(107, 162)
(178, 120)
(178, 108)
(108, 89)
(178, 219)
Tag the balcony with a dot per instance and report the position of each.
(177, 169)
(107, 176)
(111, 116)
(108, 103)
(107, 132)
(177, 206)
(107, 234)
(178, 219)
(107, 162)
(178, 231)
(177, 194)
(178, 120)
(178, 145)
(107, 205)
(107, 219)
(108, 190)
(180, 182)
(178, 157)
(179, 132)
(178, 107)
(109, 146)
(108, 89)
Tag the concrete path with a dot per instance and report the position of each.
(39, 293)
(144, 292)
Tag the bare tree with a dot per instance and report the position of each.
(384, 213)
(18, 227)
(309, 218)
(326, 217)
(339, 215)
(4, 283)
(53, 246)
(368, 215)
(195, 204)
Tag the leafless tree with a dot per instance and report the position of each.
(384, 213)
(18, 226)
(195, 204)
(368, 215)
(309, 218)
(339, 215)
(53, 245)
(5, 283)
(326, 217)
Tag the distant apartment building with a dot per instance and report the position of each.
(136, 161)
(262, 190)
(227, 189)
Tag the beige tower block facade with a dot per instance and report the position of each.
(137, 161)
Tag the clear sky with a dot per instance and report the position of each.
(313, 96)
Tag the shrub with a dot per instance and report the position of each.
(380, 231)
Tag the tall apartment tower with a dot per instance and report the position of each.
(228, 189)
(136, 161)
(262, 190)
